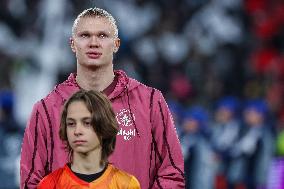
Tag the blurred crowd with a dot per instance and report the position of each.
(220, 64)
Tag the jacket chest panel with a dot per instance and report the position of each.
(133, 121)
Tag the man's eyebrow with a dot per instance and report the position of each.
(98, 31)
(83, 31)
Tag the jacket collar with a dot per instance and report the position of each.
(70, 86)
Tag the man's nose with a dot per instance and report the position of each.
(94, 42)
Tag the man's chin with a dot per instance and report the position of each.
(93, 65)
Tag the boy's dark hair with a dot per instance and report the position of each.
(102, 119)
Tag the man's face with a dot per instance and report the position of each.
(94, 42)
(80, 133)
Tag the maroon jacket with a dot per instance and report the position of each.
(147, 145)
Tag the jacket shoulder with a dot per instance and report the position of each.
(143, 87)
(59, 94)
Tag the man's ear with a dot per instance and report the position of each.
(116, 44)
(71, 42)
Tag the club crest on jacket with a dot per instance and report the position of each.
(125, 121)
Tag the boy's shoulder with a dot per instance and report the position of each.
(50, 180)
(124, 177)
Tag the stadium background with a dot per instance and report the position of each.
(195, 51)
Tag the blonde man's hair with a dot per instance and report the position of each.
(96, 13)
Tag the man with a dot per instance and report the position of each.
(147, 145)
(88, 127)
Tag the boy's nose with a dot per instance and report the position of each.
(78, 130)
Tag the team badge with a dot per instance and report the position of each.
(125, 120)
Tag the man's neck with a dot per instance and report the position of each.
(86, 163)
(94, 79)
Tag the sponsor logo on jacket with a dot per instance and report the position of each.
(126, 122)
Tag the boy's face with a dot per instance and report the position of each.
(94, 42)
(80, 133)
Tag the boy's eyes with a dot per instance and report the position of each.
(87, 123)
(73, 124)
(70, 124)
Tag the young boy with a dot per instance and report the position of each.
(88, 128)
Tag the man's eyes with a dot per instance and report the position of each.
(103, 35)
(85, 35)
(100, 35)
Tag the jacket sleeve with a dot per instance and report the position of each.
(33, 153)
(167, 148)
